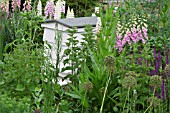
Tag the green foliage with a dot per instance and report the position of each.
(72, 54)
(3, 34)
(22, 70)
(103, 79)
(89, 41)
(157, 14)
(95, 73)
(26, 25)
(12, 105)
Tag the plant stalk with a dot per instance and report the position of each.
(151, 102)
(107, 84)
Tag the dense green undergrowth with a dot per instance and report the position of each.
(123, 68)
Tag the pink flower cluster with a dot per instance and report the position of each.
(16, 4)
(49, 9)
(134, 36)
(4, 7)
(27, 6)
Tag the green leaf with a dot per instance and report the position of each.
(20, 87)
(2, 82)
(115, 109)
(73, 95)
(114, 101)
(84, 102)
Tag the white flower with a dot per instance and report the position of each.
(57, 14)
(97, 10)
(93, 15)
(70, 14)
(134, 92)
(39, 8)
(145, 25)
(116, 8)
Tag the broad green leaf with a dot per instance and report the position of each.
(84, 102)
(20, 87)
(73, 95)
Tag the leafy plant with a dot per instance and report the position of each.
(72, 54)
(22, 70)
(12, 105)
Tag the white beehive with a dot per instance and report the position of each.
(50, 31)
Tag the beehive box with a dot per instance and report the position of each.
(51, 27)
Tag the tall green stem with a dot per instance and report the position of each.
(107, 84)
(151, 102)
(127, 98)
(84, 100)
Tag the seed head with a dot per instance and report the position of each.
(109, 63)
(167, 70)
(154, 101)
(88, 86)
(131, 73)
(101, 90)
(155, 81)
(129, 82)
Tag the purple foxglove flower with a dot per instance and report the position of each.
(19, 3)
(27, 6)
(15, 4)
(49, 9)
(118, 43)
(4, 7)
(119, 37)
(143, 41)
(124, 41)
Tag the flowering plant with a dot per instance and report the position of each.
(16, 4)
(27, 5)
(131, 32)
(3, 9)
(49, 9)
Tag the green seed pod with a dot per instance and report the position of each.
(155, 81)
(101, 90)
(109, 63)
(88, 86)
(154, 101)
(131, 73)
(167, 70)
(129, 82)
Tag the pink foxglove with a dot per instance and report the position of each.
(49, 9)
(27, 6)
(16, 4)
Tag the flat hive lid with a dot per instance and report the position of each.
(76, 22)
